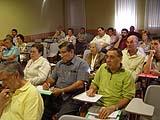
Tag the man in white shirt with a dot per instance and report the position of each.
(102, 38)
(133, 57)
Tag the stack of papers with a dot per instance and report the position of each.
(41, 91)
(83, 97)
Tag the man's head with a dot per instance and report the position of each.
(66, 51)
(101, 31)
(8, 41)
(132, 42)
(124, 32)
(14, 32)
(114, 58)
(70, 31)
(20, 38)
(155, 44)
(132, 29)
(11, 74)
(82, 30)
(110, 31)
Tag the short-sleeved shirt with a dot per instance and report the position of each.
(12, 51)
(26, 104)
(113, 86)
(71, 72)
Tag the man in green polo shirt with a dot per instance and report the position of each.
(113, 82)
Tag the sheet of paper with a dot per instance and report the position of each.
(83, 97)
(46, 92)
(113, 115)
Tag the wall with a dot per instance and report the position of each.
(29, 17)
(101, 13)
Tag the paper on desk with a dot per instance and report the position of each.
(46, 92)
(83, 97)
(94, 116)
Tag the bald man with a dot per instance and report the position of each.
(133, 56)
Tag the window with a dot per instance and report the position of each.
(125, 14)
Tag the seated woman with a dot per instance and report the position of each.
(37, 68)
(95, 58)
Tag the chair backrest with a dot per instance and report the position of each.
(152, 97)
(71, 117)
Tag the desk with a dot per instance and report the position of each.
(142, 83)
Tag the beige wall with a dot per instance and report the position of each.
(101, 13)
(28, 17)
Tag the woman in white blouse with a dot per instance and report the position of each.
(37, 68)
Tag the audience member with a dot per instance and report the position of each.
(114, 38)
(113, 82)
(133, 56)
(95, 58)
(14, 33)
(68, 78)
(59, 35)
(81, 43)
(102, 38)
(70, 36)
(121, 43)
(152, 64)
(133, 32)
(19, 100)
(9, 53)
(145, 44)
(37, 68)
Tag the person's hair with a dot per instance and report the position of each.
(12, 67)
(156, 39)
(101, 28)
(39, 47)
(21, 36)
(8, 37)
(111, 28)
(83, 28)
(15, 30)
(98, 47)
(71, 29)
(119, 52)
(124, 29)
(69, 46)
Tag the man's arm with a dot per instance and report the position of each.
(92, 90)
(106, 111)
(4, 98)
(76, 85)
(147, 66)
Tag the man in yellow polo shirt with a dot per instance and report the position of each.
(19, 100)
(113, 82)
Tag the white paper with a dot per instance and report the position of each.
(46, 92)
(83, 97)
(94, 116)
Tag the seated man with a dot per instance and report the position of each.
(9, 53)
(19, 100)
(68, 76)
(152, 64)
(113, 82)
(133, 56)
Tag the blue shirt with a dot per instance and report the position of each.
(11, 51)
(69, 73)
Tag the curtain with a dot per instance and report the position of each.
(152, 16)
(125, 14)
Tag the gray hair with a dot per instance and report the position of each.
(13, 67)
(97, 46)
